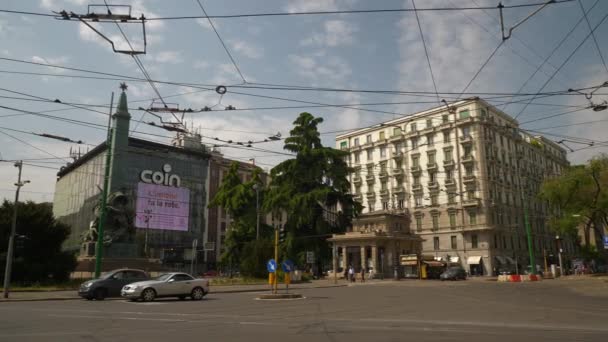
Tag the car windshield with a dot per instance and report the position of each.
(164, 277)
(106, 275)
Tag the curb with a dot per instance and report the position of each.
(118, 298)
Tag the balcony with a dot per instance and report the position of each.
(383, 174)
(415, 169)
(467, 159)
(396, 137)
(357, 180)
(468, 179)
(474, 202)
(433, 185)
(370, 194)
(466, 139)
(448, 163)
(450, 182)
(358, 197)
(398, 154)
(369, 178)
(417, 187)
(431, 166)
(384, 193)
(397, 172)
(465, 121)
(398, 190)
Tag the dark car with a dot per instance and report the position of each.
(453, 273)
(110, 283)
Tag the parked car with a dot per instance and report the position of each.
(110, 283)
(453, 273)
(180, 285)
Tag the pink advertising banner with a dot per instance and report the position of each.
(162, 207)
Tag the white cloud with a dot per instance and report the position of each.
(171, 57)
(201, 65)
(204, 23)
(320, 68)
(335, 33)
(62, 60)
(246, 48)
(318, 5)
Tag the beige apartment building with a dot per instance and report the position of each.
(461, 176)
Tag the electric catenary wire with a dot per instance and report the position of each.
(426, 53)
(597, 46)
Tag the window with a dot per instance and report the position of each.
(357, 157)
(466, 131)
(451, 198)
(431, 157)
(472, 218)
(430, 139)
(397, 131)
(504, 242)
(415, 161)
(370, 154)
(453, 220)
(447, 155)
(382, 152)
(414, 143)
(435, 219)
(436, 243)
(429, 123)
(370, 204)
(432, 176)
(368, 138)
(495, 241)
(343, 145)
(445, 118)
(449, 174)
(467, 151)
(474, 241)
(384, 205)
(483, 113)
(418, 200)
(356, 142)
(446, 137)
(434, 199)
(469, 171)
(418, 223)
(383, 185)
(400, 204)
(413, 127)
(453, 242)
(470, 194)
(381, 135)
(463, 114)
(416, 180)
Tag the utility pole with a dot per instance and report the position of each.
(11, 239)
(104, 196)
(276, 255)
(256, 187)
(529, 234)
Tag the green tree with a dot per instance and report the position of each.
(579, 197)
(38, 254)
(239, 200)
(313, 189)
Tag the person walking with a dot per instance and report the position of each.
(362, 274)
(351, 274)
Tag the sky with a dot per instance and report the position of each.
(365, 51)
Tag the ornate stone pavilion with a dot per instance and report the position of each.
(376, 241)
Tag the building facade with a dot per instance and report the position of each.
(464, 174)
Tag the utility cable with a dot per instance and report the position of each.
(428, 60)
(222, 41)
(481, 68)
(597, 46)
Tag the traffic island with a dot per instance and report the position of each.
(280, 296)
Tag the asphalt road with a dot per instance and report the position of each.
(404, 311)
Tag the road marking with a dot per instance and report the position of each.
(255, 323)
(120, 318)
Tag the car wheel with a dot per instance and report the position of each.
(197, 293)
(88, 298)
(148, 295)
(100, 294)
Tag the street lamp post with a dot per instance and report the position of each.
(148, 213)
(559, 254)
(257, 211)
(11, 239)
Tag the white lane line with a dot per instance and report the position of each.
(120, 318)
(48, 333)
(255, 323)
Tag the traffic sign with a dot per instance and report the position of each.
(287, 266)
(271, 266)
(606, 242)
(310, 257)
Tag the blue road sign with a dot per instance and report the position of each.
(606, 242)
(287, 266)
(271, 266)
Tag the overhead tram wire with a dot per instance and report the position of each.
(238, 70)
(565, 62)
(426, 53)
(597, 46)
(481, 68)
(32, 146)
(546, 59)
(278, 14)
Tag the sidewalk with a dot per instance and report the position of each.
(72, 295)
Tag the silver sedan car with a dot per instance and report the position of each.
(179, 285)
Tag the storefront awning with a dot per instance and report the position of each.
(473, 260)
(454, 259)
(434, 263)
(501, 259)
(510, 260)
(409, 263)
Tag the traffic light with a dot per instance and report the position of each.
(282, 233)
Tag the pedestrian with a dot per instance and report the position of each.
(371, 273)
(362, 274)
(351, 274)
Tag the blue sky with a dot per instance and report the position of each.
(356, 51)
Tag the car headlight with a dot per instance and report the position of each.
(87, 284)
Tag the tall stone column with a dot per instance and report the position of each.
(335, 258)
(363, 258)
(345, 257)
(375, 259)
